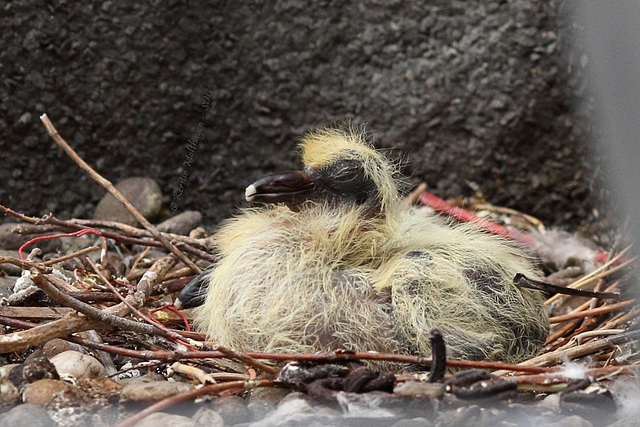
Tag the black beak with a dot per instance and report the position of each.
(281, 187)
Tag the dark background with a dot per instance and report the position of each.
(470, 95)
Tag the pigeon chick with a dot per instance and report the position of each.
(333, 260)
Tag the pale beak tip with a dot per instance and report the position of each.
(250, 192)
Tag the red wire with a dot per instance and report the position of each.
(56, 236)
(440, 205)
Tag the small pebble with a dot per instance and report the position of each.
(151, 391)
(9, 392)
(6, 285)
(57, 346)
(162, 419)
(143, 193)
(26, 415)
(10, 269)
(38, 368)
(207, 417)
(10, 240)
(414, 422)
(78, 365)
(260, 409)
(571, 421)
(53, 393)
(232, 409)
(182, 223)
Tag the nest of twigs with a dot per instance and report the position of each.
(111, 293)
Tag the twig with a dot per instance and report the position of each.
(25, 264)
(160, 328)
(412, 198)
(592, 312)
(86, 309)
(69, 324)
(568, 353)
(596, 274)
(508, 211)
(105, 357)
(22, 340)
(524, 282)
(106, 184)
(206, 377)
(151, 277)
(282, 357)
(138, 232)
(246, 359)
(5, 210)
(71, 255)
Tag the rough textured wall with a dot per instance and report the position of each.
(469, 93)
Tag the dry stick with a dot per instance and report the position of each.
(412, 198)
(138, 232)
(561, 332)
(5, 210)
(592, 312)
(622, 319)
(133, 235)
(584, 306)
(53, 133)
(138, 260)
(69, 324)
(566, 328)
(487, 207)
(165, 355)
(105, 357)
(51, 220)
(86, 309)
(22, 340)
(207, 377)
(150, 278)
(559, 377)
(569, 353)
(164, 331)
(161, 329)
(246, 359)
(191, 394)
(596, 274)
(71, 255)
(523, 281)
(25, 264)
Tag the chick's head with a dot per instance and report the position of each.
(340, 168)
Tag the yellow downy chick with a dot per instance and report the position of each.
(334, 261)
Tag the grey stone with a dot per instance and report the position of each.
(150, 391)
(26, 414)
(207, 417)
(6, 286)
(232, 409)
(143, 193)
(162, 419)
(182, 223)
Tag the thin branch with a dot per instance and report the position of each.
(5, 210)
(71, 255)
(524, 282)
(106, 184)
(593, 312)
(159, 328)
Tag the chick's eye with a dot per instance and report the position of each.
(345, 171)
